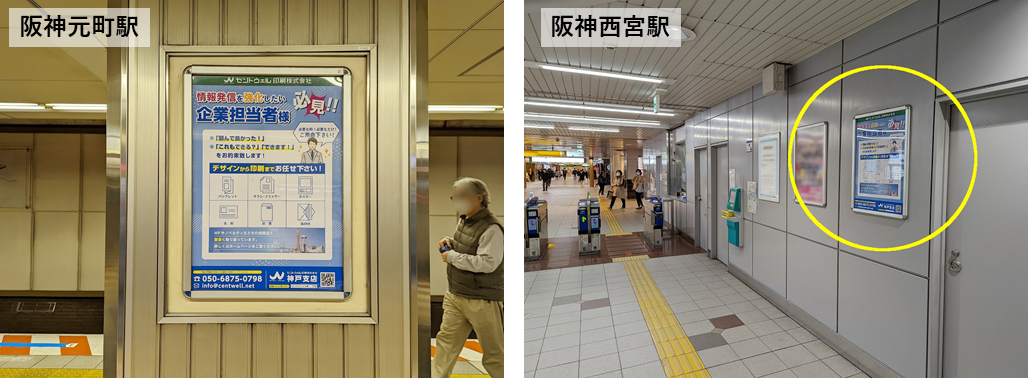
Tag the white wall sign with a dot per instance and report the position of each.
(768, 167)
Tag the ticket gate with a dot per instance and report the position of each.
(535, 228)
(653, 223)
(589, 226)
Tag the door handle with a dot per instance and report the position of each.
(954, 265)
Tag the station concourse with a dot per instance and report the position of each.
(741, 157)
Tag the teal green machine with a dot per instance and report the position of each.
(732, 208)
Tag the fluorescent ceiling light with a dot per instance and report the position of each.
(79, 107)
(463, 108)
(539, 126)
(598, 129)
(591, 120)
(594, 72)
(594, 107)
(20, 106)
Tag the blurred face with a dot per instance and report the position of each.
(464, 200)
(638, 172)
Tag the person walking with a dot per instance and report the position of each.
(565, 175)
(639, 186)
(603, 181)
(618, 186)
(474, 272)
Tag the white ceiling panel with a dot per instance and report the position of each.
(735, 40)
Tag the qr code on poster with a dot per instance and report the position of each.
(328, 279)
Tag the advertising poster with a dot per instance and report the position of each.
(810, 161)
(767, 175)
(880, 162)
(267, 183)
(14, 178)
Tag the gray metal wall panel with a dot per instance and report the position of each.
(770, 115)
(985, 46)
(700, 134)
(951, 8)
(884, 312)
(718, 109)
(718, 128)
(824, 109)
(740, 129)
(740, 99)
(769, 257)
(909, 20)
(824, 60)
(812, 279)
(758, 90)
(876, 90)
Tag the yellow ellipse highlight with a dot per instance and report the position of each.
(970, 187)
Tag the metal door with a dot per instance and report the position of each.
(986, 303)
(703, 210)
(720, 198)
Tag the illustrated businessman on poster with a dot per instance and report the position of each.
(312, 155)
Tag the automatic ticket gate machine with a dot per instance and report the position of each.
(653, 224)
(589, 226)
(535, 228)
(733, 216)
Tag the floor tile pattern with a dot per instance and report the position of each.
(572, 340)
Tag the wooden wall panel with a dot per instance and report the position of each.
(175, 347)
(267, 351)
(207, 22)
(238, 23)
(269, 22)
(329, 351)
(298, 356)
(236, 350)
(206, 351)
(177, 18)
(360, 21)
(328, 22)
(299, 26)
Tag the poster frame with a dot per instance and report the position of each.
(906, 162)
(824, 163)
(777, 136)
(345, 132)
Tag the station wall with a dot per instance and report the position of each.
(58, 244)
(877, 301)
(453, 157)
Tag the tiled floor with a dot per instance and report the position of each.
(23, 351)
(587, 321)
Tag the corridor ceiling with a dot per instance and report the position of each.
(465, 50)
(735, 40)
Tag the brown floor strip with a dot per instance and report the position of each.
(563, 252)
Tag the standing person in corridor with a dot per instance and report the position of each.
(618, 186)
(639, 186)
(475, 276)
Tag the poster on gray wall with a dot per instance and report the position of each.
(14, 177)
(767, 168)
(809, 163)
(880, 162)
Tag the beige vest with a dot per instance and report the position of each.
(487, 286)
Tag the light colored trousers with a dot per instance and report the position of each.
(460, 316)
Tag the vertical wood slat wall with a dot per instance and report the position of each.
(268, 22)
(267, 350)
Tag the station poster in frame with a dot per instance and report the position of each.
(267, 155)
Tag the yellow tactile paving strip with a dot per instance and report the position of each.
(630, 258)
(612, 222)
(676, 353)
(51, 373)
